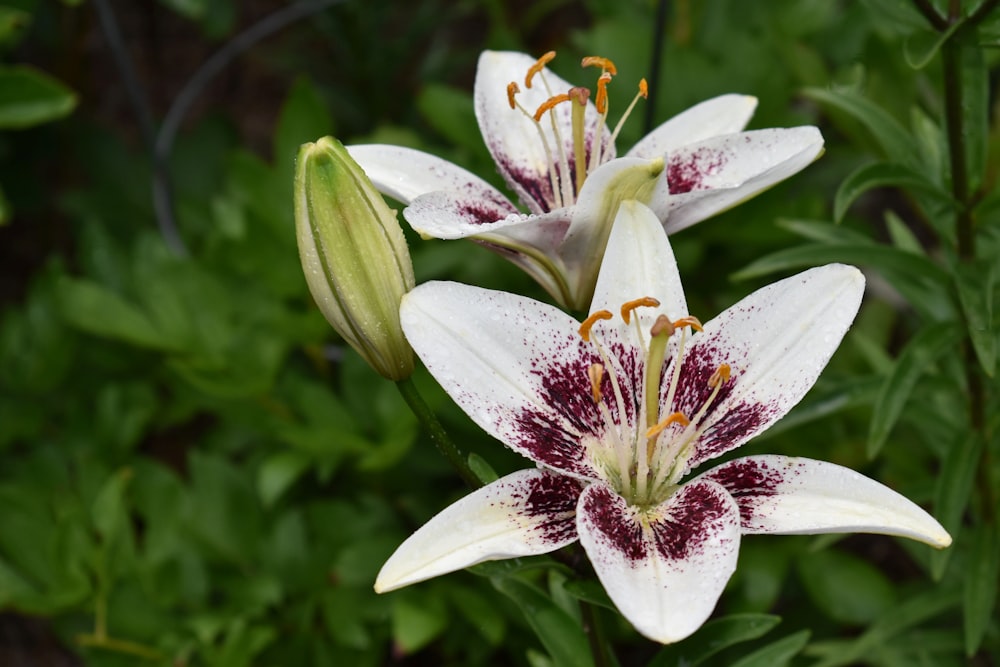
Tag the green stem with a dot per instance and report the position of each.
(119, 646)
(595, 634)
(438, 435)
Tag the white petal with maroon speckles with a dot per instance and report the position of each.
(711, 176)
(776, 341)
(512, 138)
(517, 367)
(785, 495)
(664, 567)
(724, 114)
(526, 513)
(405, 173)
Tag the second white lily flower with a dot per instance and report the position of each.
(567, 178)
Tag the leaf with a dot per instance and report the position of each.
(901, 235)
(304, 117)
(450, 112)
(278, 473)
(980, 586)
(975, 284)
(482, 469)
(975, 111)
(416, 625)
(777, 653)
(29, 97)
(952, 493)
(559, 633)
(870, 254)
(714, 636)
(915, 360)
(880, 174)
(99, 311)
(847, 589)
(895, 142)
(921, 47)
(823, 232)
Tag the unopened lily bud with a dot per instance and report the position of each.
(353, 254)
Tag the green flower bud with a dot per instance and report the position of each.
(353, 254)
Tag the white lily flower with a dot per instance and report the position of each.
(618, 410)
(554, 150)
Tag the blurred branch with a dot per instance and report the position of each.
(659, 29)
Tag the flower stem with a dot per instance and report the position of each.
(438, 435)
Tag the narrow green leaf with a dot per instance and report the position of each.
(980, 586)
(450, 112)
(482, 469)
(714, 636)
(590, 591)
(776, 653)
(847, 589)
(921, 47)
(975, 284)
(108, 510)
(915, 360)
(278, 473)
(823, 232)
(29, 97)
(880, 175)
(416, 623)
(893, 139)
(952, 493)
(869, 254)
(902, 236)
(559, 633)
(99, 311)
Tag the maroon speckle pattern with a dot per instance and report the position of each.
(693, 516)
(686, 172)
(527, 183)
(554, 496)
(615, 523)
(748, 480)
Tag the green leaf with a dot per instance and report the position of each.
(714, 636)
(921, 47)
(776, 653)
(847, 589)
(12, 23)
(99, 311)
(913, 362)
(559, 633)
(484, 471)
(279, 472)
(975, 284)
(414, 625)
(868, 254)
(980, 586)
(895, 142)
(901, 235)
(109, 511)
(29, 97)
(304, 117)
(878, 175)
(590, 591)
(450, 112)
(953, 490)
(975, 111)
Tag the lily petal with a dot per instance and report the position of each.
(527, 513)
(711, 176)
(776, 342)
(724, 114)
(514, 140)
(517, 367)
(665, 567)
(638, 262)
(405, 173)
(786, 495)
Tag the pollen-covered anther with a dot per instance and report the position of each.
(549, 104)
(720, 376)
(601, 102)
(689, 321)
(595, 373)
(675, 418)
(586, 325)
(512, 90)
(662, 327)
(629, 306)
(538, 67)
(597, 61)
(643, 89)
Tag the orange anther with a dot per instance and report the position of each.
(629, 306)
(597, 61)
(643, 89)
(549, 103)
(689, 321)
(590, 321)
(538, 67)
(720, 376)
(595, 373)
(602, 93)
(662, 325)
(512, 90)
(676, 418)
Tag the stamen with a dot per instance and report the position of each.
(586, 325)
(720, 376)
(689, 321)
(550, 103)
(538, 67)
(644, 94)
(676, 418)
(512, 90)
(595, 373)
(597, 61)
(629, 306)
(602, 94)
(579, 96)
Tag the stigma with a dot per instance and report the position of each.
(571, 160)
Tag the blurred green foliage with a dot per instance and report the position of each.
(196, 472)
